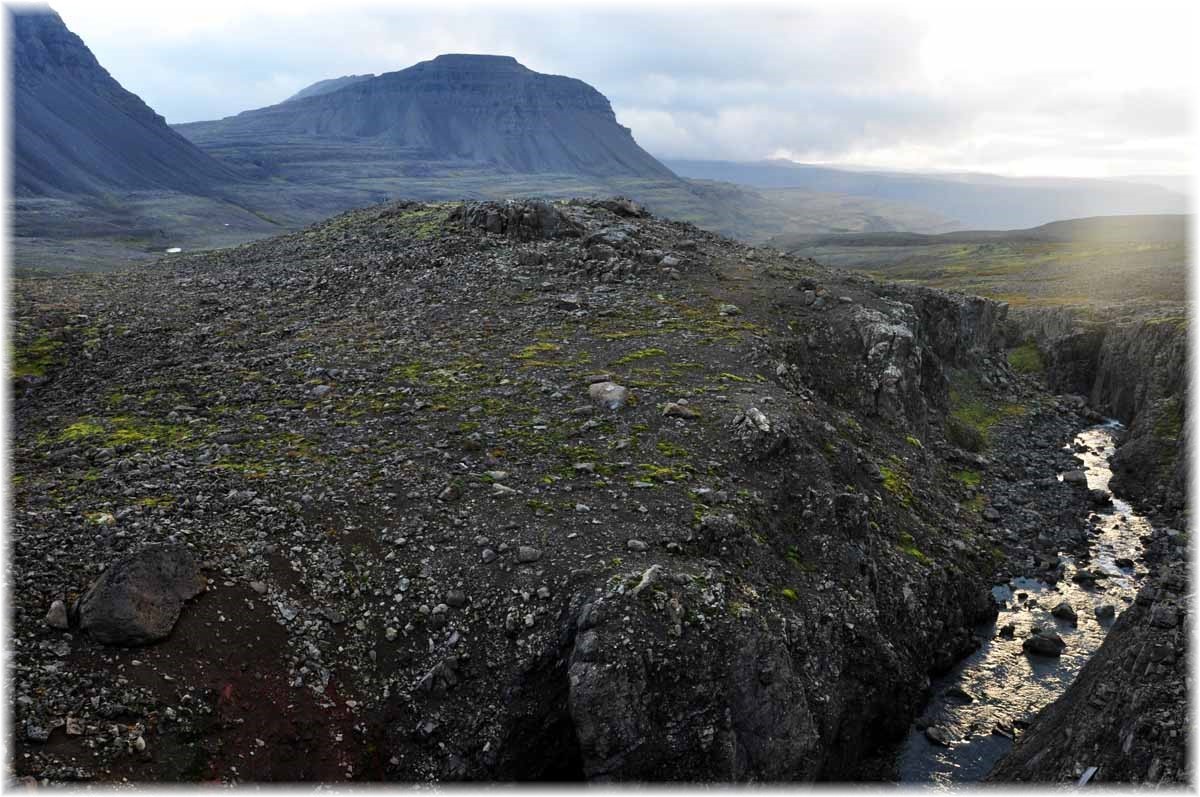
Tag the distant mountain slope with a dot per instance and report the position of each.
(326, 86)
(1180, 184)
(1133, 229)
(77, 131)
(974, 201)
(1099, 261)
(1160, 228)
(480, 109)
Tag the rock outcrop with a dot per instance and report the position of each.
(527, 220)
(754, 699)
(893, 361)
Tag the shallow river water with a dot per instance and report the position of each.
(976, 704)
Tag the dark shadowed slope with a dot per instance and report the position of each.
(976, 201)
(480, 109)
(77, 131)
(326, 86)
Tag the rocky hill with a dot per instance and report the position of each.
(481, 109)
(509, 491)
(77, 131)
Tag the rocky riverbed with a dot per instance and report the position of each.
(990, 697)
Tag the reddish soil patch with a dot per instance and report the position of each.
(231, 654)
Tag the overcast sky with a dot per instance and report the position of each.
(1081, 89)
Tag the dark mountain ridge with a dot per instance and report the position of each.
(483, 109)
(76, 130)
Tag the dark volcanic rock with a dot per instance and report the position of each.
(527, 220)
(1044, 643)
(138, 599)
(1064, 611)
(892, 361)
(77, 131)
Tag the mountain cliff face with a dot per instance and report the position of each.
(475, 108)
(77, 131)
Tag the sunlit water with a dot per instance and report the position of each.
(1008, 685)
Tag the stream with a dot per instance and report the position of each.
(977, 705)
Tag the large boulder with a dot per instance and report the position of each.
(609, 395)
(1044, 642)
(137, 600)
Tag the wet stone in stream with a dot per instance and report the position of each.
(960, 741)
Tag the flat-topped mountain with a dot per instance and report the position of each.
(482, 109)
(76, 130)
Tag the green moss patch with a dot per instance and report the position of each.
(1168, 426)
(908, 545)
(1027, 359)
(896, 481)
(123, 430)
(669, 449)
(640, 354)
(35, 358)
(967, 477)
(532, 351)
(973, 414)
